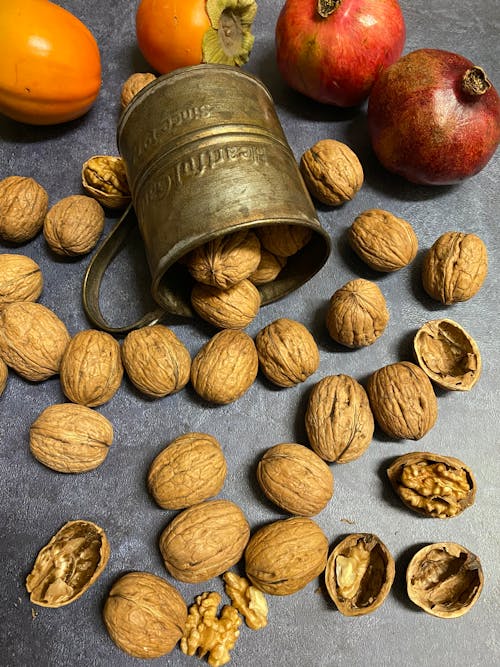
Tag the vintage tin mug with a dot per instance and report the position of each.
(206, 156)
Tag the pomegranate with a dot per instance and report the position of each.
(333, 50)
(434, 117)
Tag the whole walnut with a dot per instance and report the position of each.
(339, 421)
(23, 205)
(189, 470)
(4, 376)
(357, 313)
(32, 340)
(287, 351)
(204, 540)
(133, 85)
(74, 225)
(144, 615)
(156, 361)
(20, 279)
(284, 240)
(269, 268)
(383, 241)
(402, 400)
(68, 437)
(226, 260)
(225, 367)
(91, 369)
(332, 172)
(233, 307)
(455, 267)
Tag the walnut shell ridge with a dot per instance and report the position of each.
(20, 279)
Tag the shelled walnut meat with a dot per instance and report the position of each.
(357, 313)
(359, 574)
(204, 540)
(144, 615)
(248, 600)
(70, 438)
(20, 279)
(339, 421)
(74, 225)
(23, 205)
(433, 485)
(192, 468)
(91, 369)
(69, 564)
(444, 579)
(232, 307)
(32, 340)
(402, 400)
(104, 178)
(156, 361)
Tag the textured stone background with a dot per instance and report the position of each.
(304, 629)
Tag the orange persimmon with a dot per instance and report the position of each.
(50, 66)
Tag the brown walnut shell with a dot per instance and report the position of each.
(189, 470)
(444, 579)
(383, 241)
(68, 565)
(295, 478)
(91, 369)
(23, 205)
(448, 355)
(339, 421)
(225, 367)
(133, 85)
(32, 340)
(455, 267)
(284, 556)
(144, 615)
(283, 239)
(156, 361)
(357, 314)
(4, 375)
(287, 351)
(402, 400)
(204, 540)
(68, 437)
(104, 178)
(359, 574)
(20, 279)
(433, 485)
(268, 269)
(233, 307)
(73, 225)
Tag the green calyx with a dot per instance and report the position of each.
(229, 40)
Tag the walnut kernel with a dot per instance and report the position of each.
(104, 178)
(73, 225)
(248, 600)
(23, 205)
(20, 279)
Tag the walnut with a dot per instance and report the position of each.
(104, 178)
(383, 241)
(225, 367)
(207, 634)
(144, 615)
(287, 351)
(68, 437)
(231, 308)
(156, 361)
(133, 85)
(295, 478)
(32, 340)
(402, 400)
(448, 354)
(359, 574)
(226, 260)
(248, 600)
(444, 579)
(284, 556)
(433, 485)
(332, 172)
(68, 565)
(283, 239)
(189, 470)
(4, 376)
(357, 314)
(23, 205)
(269, 268)
(74, 225)
(20, 279)
(339, 421)
(91, 369)
(204, 540)
(455, 267)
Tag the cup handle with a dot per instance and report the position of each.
(95, 271)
